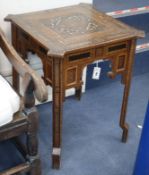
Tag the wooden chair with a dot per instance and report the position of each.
(25, 121)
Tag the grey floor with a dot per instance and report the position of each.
(91, 134)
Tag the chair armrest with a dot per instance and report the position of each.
(22, 68)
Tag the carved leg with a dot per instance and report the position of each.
(78, 93)
(15, 76)
(32, 114)
(78, 90)
(57, 111)
(127, 82)
(32, 142)
(123, 78)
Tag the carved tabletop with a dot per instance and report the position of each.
(70, 28)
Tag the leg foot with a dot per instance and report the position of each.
(56, 158)
(125, 133)
(78, 93)
(35, 167)
(126, 77)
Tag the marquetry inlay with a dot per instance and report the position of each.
(67, 26)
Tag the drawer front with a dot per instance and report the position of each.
(80, 57)
(121, 63)
(115, 48)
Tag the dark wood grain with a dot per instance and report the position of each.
(68, 39)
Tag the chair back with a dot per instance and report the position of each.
(22, 68)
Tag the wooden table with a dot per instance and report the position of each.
(68, 39)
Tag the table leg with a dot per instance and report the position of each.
(78, 90)
(57, 111)
(64, 96)
(127, 83)
(78, 93)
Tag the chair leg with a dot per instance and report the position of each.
(32, 114)
(33, 156)
(32, 142)
(35, 166)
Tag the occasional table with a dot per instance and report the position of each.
(68, 39)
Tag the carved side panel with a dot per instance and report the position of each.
(118, 65)
(71, 76)
(121, 62)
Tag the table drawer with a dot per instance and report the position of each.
(118, 47)
(80, 57)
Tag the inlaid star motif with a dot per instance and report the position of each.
(73, 25)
